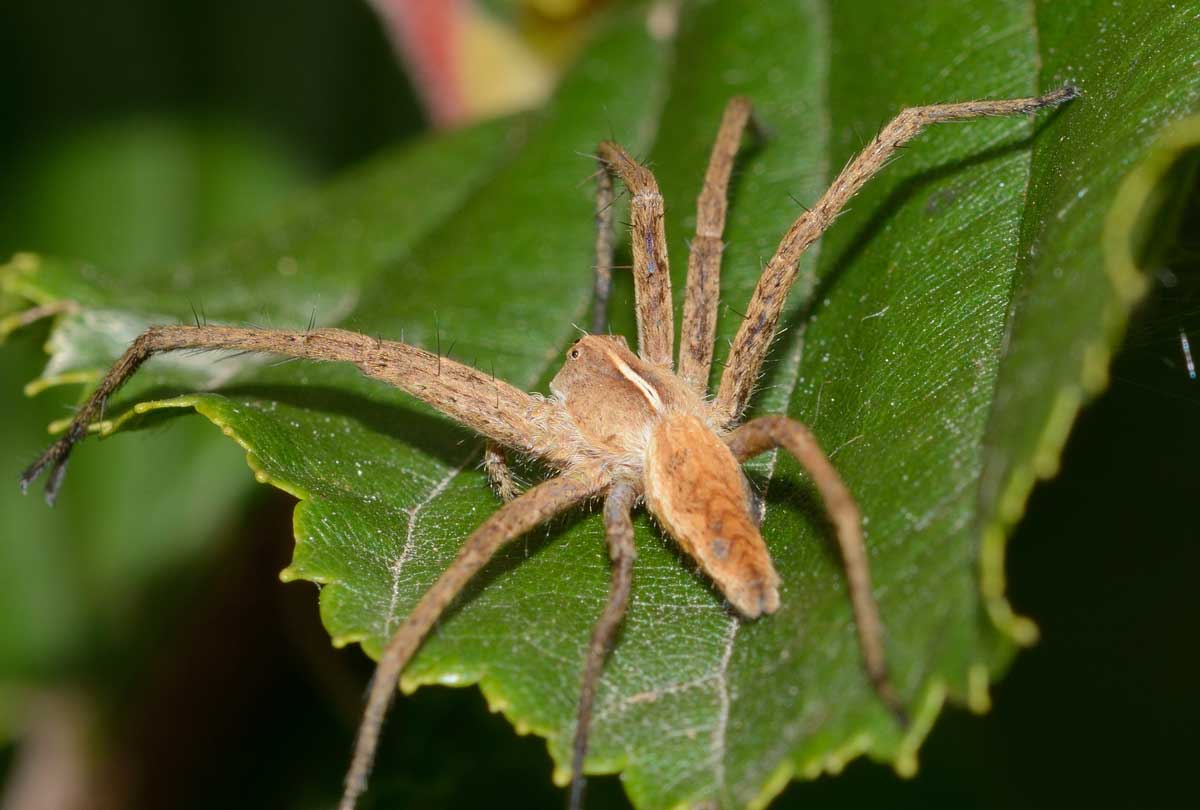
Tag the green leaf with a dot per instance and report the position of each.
(944, 334)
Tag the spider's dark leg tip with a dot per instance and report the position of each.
(1070, 91)
(54, 484)
(55, 457)
(31, 473)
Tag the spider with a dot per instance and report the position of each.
(618, 426)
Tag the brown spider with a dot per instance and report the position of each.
(618, 425)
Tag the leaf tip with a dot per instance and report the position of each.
(905, 763)
(345, 639)
(979, 699)
(22, 263)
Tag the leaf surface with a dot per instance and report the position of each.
(974, 288)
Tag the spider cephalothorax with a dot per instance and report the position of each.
(619, 426)
(655, 433)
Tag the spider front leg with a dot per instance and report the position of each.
(762, 316)
(770, 432)
(536, 506)
(492, 407)
(651, 267)
(618, 527)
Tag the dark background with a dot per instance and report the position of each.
(1103, 712)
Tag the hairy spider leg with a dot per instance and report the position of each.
(499, 473)
(770, 432)
(754, 337)
(699, 330)
(651, 267)
(491, 407)
(618, 530)
(537, 505)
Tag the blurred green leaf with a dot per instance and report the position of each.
(128, 194)
(947, 330)
(134, 193)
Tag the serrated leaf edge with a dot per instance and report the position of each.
(1130, 285)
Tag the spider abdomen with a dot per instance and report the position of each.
(695, 488)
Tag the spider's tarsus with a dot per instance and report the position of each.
(55, 457)
(1065, 93)
(54, 483)
(29, 475)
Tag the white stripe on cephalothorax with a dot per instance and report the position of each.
(638, 380)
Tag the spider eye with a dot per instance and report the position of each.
(574, 355)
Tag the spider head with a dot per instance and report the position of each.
(612, 395)
(601, 369)
(590, 360)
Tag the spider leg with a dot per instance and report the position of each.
(495, 464)
(651, 269)
(488, 406)
(618, 526)
(758, 329)
(704, 254)
(604, 250)
(511, 521)
(770, 432)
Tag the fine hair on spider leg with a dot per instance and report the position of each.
(620, 425)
